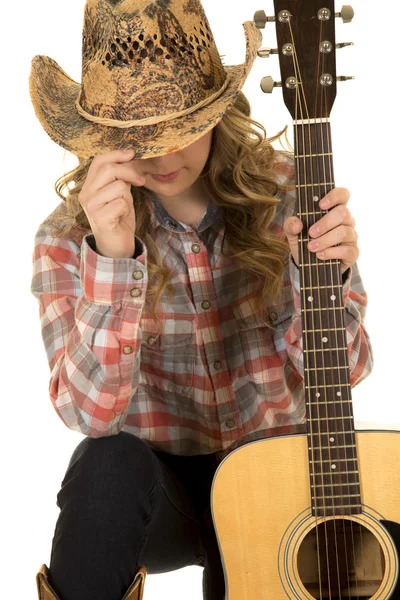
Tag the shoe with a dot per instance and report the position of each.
(135, 592)
(46, 592)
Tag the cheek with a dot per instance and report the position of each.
(201, 151)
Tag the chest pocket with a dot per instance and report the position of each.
(262, 355)
(168, 358)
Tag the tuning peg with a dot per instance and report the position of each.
(260, 18)
(344, 78)
(268, 84)
(265, 52)
(347, 13)
(343, 44)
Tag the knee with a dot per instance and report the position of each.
(117, 458)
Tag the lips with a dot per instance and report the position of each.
(168, 177)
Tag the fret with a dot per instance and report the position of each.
(319, 387)
(333, 447)
(325, 349)
(341, 496)
(331, 418)
(323, 402)
(312, 155)
(336, 506)
(335, 473)
(320, 287)
(333, 484)
(325, 183)
(336, 432)
(320, 264)
(328, 460)
(323, 330)
(308, 214)
(324, 368)
(308, 239)
(323, 308)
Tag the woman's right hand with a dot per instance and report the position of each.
(108, 203)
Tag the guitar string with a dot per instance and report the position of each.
(336, 303)
(347, 386)
(298, 103)
(323, 358)
(324, 265)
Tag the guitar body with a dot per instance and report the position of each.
(261, 507)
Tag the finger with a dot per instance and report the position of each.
(109, 193)
(347, 254)
(109, 172)
(334, 197)
(292, 226)
(115, 156)
(339, 235)
(337, 216)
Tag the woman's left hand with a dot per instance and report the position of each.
(335, 227)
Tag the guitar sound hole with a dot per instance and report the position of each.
(341, 559)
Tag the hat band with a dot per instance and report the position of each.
(156, 119)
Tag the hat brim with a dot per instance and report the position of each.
(54, 93)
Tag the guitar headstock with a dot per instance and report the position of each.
(305, 31)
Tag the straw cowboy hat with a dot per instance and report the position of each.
(152, 79)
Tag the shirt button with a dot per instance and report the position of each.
(230, 423)
(206, 304)
(128, 350)
(171, 224)
(138, 275)
(273, 316)
(196, 248)
(136, 292)
(217, 364)
(151, 341)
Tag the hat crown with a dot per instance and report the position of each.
(146, 58)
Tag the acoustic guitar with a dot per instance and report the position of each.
(315, 514)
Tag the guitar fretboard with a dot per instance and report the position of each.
(334, 476)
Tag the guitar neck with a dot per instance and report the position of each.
(326, 364)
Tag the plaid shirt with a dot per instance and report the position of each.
(216, 377)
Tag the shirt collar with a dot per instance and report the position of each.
(160, 216)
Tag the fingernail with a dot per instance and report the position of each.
(314, 230)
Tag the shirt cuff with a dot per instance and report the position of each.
(108, 280)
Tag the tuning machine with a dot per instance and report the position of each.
(347, 13)
(260, 18)
(268, 84)
(266, 52)
(344, 44)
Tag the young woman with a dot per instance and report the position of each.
(168, 286)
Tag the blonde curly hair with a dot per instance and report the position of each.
(239, 175)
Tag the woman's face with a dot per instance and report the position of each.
(189, 162)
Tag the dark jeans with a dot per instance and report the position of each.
(123, 505)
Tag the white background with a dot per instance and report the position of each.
(36, 445)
